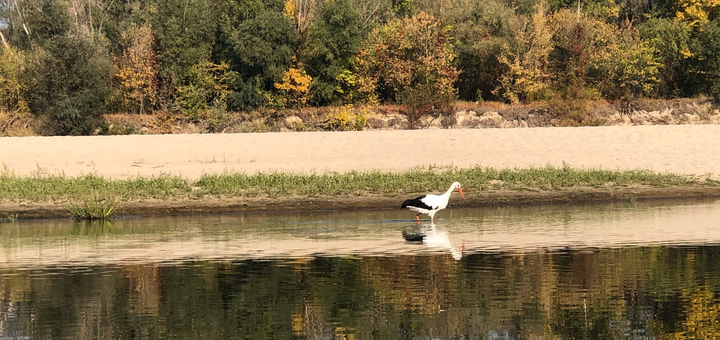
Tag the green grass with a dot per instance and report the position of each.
(92, 210)
(86, 188)
(12, 217)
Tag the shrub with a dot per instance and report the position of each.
(67, 83)
(344, 119)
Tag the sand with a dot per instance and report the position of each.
(685, 149)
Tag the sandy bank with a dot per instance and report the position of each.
(687, 149)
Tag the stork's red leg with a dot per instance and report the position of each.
(417, 216)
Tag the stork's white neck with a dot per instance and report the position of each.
(449, 192)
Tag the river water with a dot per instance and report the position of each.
(646, 270)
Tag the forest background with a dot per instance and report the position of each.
(68, 63)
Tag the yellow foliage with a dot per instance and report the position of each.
(696, 12)
(702, 311)
(526, 58)
(137, 67)
(294, 86)
(11, 88)
(290, 9)
(344, 119)
(405, 55)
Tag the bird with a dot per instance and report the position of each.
(430, 204)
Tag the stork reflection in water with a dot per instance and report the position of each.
(435, 238)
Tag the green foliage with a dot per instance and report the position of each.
(479, 28)
(333, 39)
(12, 217)
(184, 30)
(32, 22)
(638, 68)
(258, 41)
(67, 84)
(121, 15)
(90, 188)
(418, 53)
(708, 57)
(670, 39)
(206, 87)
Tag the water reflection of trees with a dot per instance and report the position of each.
(652, 292)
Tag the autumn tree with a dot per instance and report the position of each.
(11, 87)
(524, 57)
(301, 12)
(294, 87)
(696, 13)
(409, 61)
(136, 68)
(582, 54)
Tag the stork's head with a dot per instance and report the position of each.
(456, 185)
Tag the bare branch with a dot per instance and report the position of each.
(2, 36)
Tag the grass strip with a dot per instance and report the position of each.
(91, 187)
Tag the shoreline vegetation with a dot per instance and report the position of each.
(275, 65)
(473, 115)
(55, 196)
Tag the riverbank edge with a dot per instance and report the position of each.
(490, 198)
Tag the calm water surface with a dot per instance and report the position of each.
(620, 271)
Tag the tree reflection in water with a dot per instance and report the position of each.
(659, 292)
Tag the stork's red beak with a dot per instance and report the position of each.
(461, 194)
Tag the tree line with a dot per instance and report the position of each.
(71, 61)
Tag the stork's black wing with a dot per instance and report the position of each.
(417, 203)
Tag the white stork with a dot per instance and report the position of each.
(430, 204)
